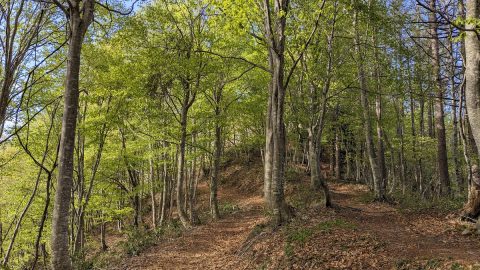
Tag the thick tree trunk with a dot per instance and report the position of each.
(314, 155)
(472, 93)
(275, 128)
(103, 240)
(60, 235)
(471, 210)
(180, 188)
(442, 161)
(78, 21)
(267, 186)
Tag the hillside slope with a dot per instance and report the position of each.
(355, 234)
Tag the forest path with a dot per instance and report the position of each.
(404, 237)
(210, 246)
(409, 236)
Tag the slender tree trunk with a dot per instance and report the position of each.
(217, 155)
(152, 191)
(192, 187)
(454, 107)
(166, 197)
(416, 167)
(338, 173)
(370, 151)
(42, 220)
(382, 168)
(1, 237)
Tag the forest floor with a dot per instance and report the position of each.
(356, 234)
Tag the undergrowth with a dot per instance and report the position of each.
(300, 235)
(136, 241)
(228, 208)
(412, 202)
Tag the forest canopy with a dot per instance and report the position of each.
(115, 116)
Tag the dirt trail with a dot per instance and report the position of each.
(412, 236)
(404, 236)
(210, 246)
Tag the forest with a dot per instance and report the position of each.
(239, 134)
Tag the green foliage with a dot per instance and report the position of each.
(228, 208)
(413, 202)
(136, 75)
(138, 240)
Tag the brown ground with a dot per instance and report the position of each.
(377, 236)
(210, 246)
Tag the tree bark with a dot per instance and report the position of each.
(275, 131)
(152, 190)
(442, 160)
(370, 151)
(216, 156)
(382, 169)
(79, 21)
(180, 188)
(472, 93)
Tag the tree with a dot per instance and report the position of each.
(275, 22)
(442, 159)
(378, 187)
(20, 25)
(79, 14)
(472, 90)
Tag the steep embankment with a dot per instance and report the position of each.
(355, 234)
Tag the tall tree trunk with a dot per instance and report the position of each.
(79, 21)
(382, 169)
(416, 166)
(166, 194)
(442, 160)
(268, 156)
(454, 107)
(275, 132)
(152, 190)
(217, 155)
(370, 151)
(42, 220)
(338, 173)
(472, 92)
(180, 188)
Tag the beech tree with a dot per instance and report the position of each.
(472, 86)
